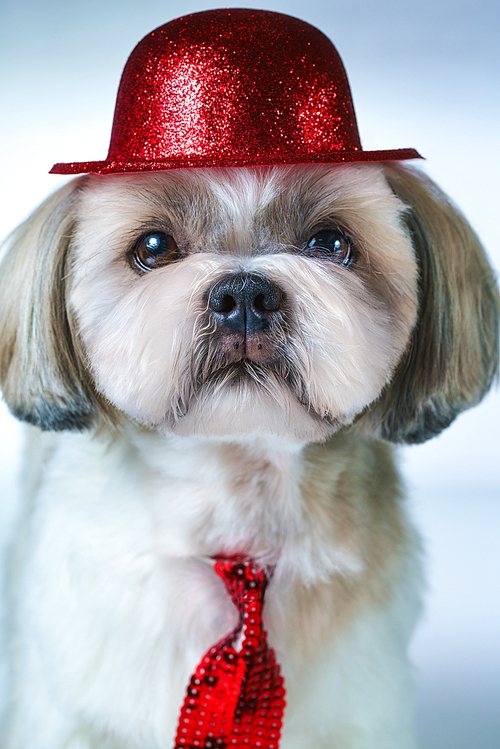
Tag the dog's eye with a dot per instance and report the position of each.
(154, 250)
(331, 244)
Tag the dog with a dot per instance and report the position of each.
(215, 362)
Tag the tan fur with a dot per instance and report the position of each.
(42, 369)
(351, 492)
(453, 356)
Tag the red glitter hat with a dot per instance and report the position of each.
(236, 87)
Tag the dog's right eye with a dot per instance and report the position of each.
(331, 244)
(154, 250)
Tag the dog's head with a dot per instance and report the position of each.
(282, 300)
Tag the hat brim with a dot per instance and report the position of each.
(222, 161)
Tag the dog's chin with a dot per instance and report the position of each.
(249, 408)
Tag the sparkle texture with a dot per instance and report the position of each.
(236, 697)
(236, 87)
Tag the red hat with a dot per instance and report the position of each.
(226, 88)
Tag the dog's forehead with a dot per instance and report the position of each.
(234, 210)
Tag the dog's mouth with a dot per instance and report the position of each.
(263, 362)
(247, 371)
(244, 395)
(272, 363)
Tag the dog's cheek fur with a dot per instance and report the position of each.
(139, 338)
(139, 332)
(349, 337)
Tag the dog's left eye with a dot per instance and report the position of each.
(331, 244)
(154, 250)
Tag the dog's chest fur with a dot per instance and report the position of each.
(121, 537)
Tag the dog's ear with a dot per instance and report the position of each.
(453, 353)
(42, 373)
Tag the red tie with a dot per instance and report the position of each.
(235, 699)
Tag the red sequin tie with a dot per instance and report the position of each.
(236, 698)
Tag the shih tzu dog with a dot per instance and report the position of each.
(220, 344)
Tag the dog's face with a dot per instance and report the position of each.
(233, 301)
(282, 300)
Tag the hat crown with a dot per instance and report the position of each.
(232, 83)
(235, 87)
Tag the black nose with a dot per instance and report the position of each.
(244, 302)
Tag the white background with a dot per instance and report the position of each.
(425, 75)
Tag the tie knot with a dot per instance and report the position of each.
(245, 582)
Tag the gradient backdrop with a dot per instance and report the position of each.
(424, 75)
